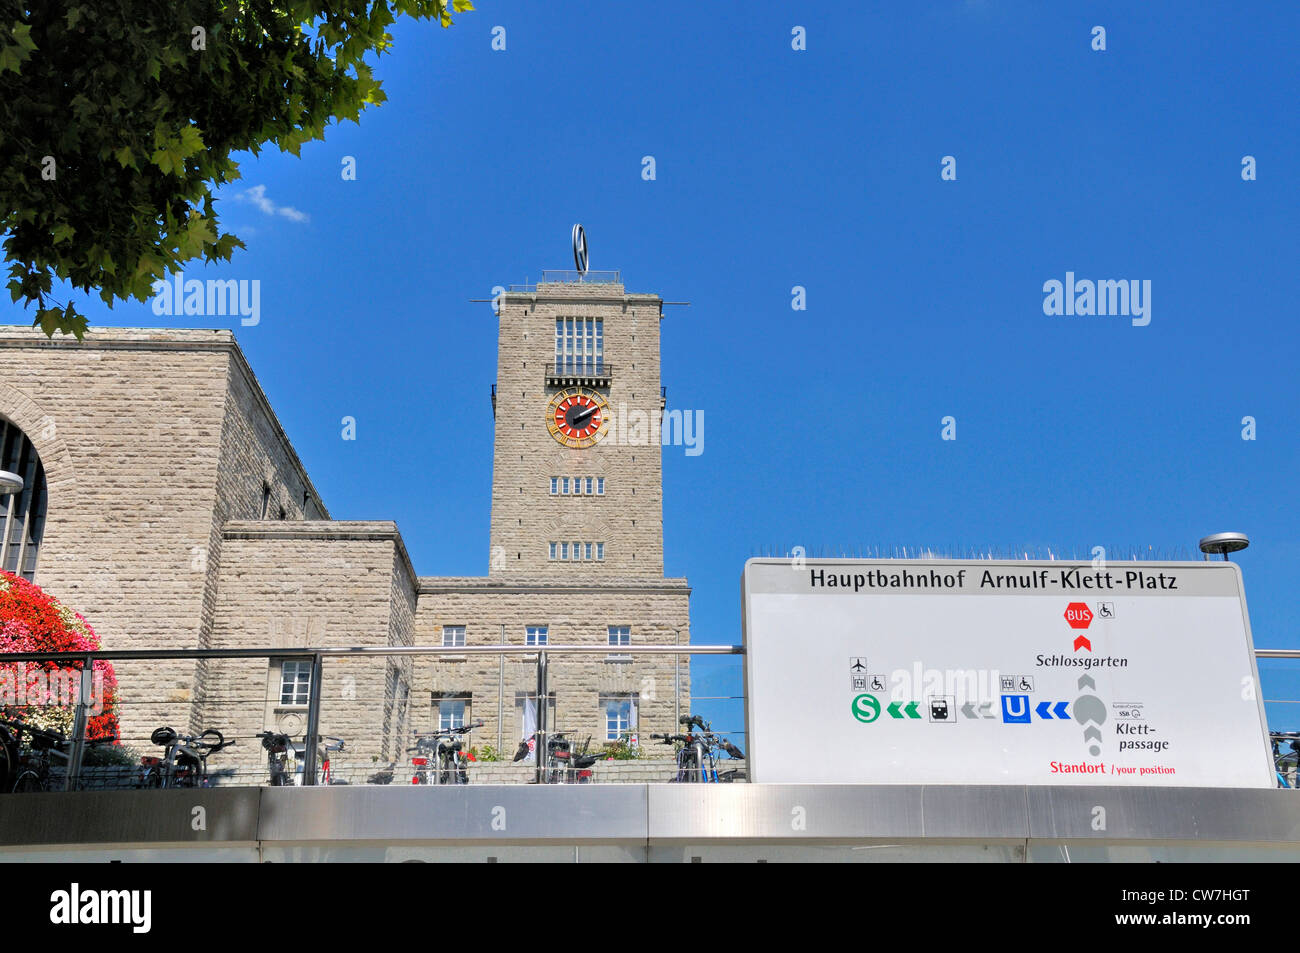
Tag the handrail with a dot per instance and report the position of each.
(114, 655)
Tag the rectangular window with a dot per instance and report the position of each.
(577, 550)
(600, 486)
(451, 713)
(579, 345)
(587, 553)
(620, 716)
(564, 484)
(453, 636)
(600, 550)
(564, 550)
(555, 485)
(295, 682)
(535, 635)
(588, 486)
(620, 636)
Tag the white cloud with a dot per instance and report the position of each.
(257, 196)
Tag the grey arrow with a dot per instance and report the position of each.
(1085, 681)
(968, 710)
(987, 710)
(1092, 733)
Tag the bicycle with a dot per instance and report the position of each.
(696, 761)
(185, 760)
(1286, 765)
(283, 758)
(564, 765)
(281, 753)
(326, 771)
(442, 758)
(27, 770)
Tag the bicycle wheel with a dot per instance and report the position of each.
(29, 782)
(8, 763)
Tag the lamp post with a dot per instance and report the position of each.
(1224, 543)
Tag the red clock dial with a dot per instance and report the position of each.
(577, 417)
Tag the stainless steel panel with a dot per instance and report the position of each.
(788, 853)
(704, 812)
(1184, 814)
(130, 817)
(131, 854)
(902, 818)
(515, 814)
(969, 811)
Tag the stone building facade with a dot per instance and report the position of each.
(177, 514)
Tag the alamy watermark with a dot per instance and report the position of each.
(638, 428)
(1105, 296)
(190, 296)
(59, 688)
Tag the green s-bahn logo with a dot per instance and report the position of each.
(866, 709)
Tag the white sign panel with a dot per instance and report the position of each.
(989, 672)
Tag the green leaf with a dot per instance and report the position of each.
(125, 157)
(22, 33)
(62, 233)
(9, 58)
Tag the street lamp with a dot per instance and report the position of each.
(10, 483)
(1224, 543)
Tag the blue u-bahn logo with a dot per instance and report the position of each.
(1015, 709)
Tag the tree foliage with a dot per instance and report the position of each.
(118, 119)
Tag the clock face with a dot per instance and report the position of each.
(576, 417)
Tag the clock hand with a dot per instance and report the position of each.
(578, 418)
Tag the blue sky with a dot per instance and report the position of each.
(819, 168)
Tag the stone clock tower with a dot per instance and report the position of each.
(577, 475)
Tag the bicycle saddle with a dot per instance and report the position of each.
(163, 736)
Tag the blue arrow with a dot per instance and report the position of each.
(1060, 710)
(1043, 710)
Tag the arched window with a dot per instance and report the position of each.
(22, 514)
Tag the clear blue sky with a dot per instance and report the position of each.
(821, 168)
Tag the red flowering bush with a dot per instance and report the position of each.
(44, 693)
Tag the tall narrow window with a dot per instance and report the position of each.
(22, 512)
(620, 636)
(295, 682)
(600, 486)
(620, 716)
(452, 712)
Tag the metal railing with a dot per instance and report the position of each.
(579, 372)
(543, 657)
(562, 277)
